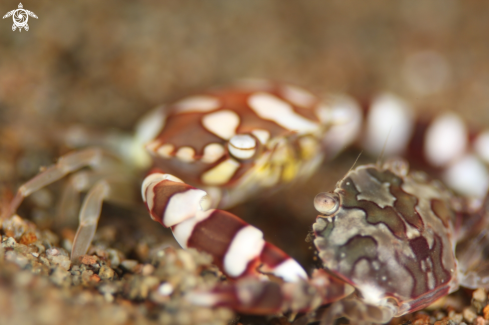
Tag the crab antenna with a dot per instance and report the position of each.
(379, 160)
(355, 162)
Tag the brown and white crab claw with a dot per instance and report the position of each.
(237, 247)
(254, 296)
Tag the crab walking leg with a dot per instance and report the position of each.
(89, 215)
(69, 204)
(121, 184)
(65, 165)
(237, 247)
(112, 188)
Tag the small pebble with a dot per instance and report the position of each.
(28, 238)
(187, 259)
(479, 321)
(56, 252)
(60, 276)
(147, 269)
(129, 265)
(108, 287)
(40, 248)
(14, 226)
(115, 257)
(108, 297)
(85, 276)
(485, 312)
(61, 260)
(421, 319)
(165, 289)
(479, 295)
(469, 314)
(88, 259)
(106, 272)
(8, 242)
(16, 258)
(44, 261)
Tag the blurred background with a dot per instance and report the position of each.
(103, 64)
(106, 63)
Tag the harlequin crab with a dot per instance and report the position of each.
(386, 237)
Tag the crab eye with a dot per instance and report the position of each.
(326, 203)
(242, 146)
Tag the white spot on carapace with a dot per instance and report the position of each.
(390, 122)
(197, 104)
(212, 152)
(186, 154)
(220, 174)
(221, 123)
(431, 276)
(166, 150)
(446, 140)
(182, 206)
(411, 232)
(183, 230)
(150, 125)
(481, 145)
(290, 271)
(423, 266)
(247, 244)
(272, 108)
(242, 146)
(298, 96)
(468, 176)
(262, 135)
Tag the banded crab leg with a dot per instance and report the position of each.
(239, 250)
(237, 247)
(110, 171)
